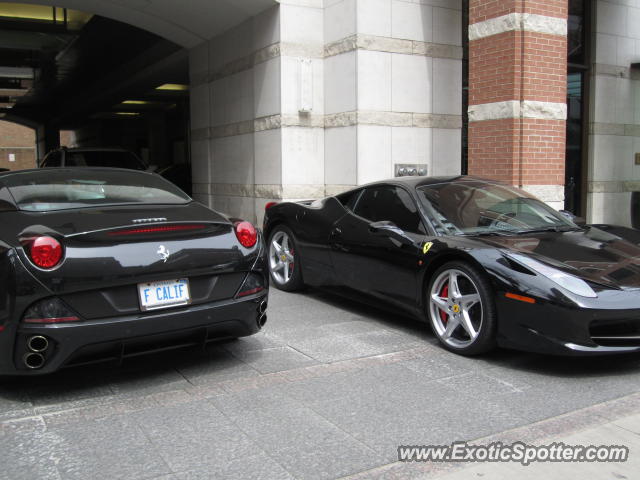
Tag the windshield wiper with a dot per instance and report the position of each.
(555, 228)
(489, 233)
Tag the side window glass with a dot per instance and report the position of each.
(390, 204)
(348, 199)
(353, 199)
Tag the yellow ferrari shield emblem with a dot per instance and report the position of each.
(456, 309)
(426, 247)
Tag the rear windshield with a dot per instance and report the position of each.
(62, 189)
(106, 158)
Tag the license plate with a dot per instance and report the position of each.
(169, 293)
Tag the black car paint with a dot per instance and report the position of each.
(99, 275)
(338, 249)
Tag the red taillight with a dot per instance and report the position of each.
(246, 233)
(269, 205)
(251, 291)
(159, 229)
(45, 252)
(49, 310)
(52, 320)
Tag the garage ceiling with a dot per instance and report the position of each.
(64, 61)
(171, 19)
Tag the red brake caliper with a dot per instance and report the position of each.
(444, 294)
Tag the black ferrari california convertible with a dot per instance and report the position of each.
(483, 263)
(102, 263)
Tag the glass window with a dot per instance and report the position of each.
(576, 32)
(478, 207)
(62, 189)
(391, 204)
(348, 199)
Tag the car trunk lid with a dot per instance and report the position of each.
(117, 246)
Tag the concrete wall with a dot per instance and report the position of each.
(235, 103)
(393, 88)
(615, 112)
(312, 97)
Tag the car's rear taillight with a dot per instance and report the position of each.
(269, 205)
(246, 233)
(45, 252)
(49, 310)
(254, 283)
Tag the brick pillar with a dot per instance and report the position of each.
(517, 93)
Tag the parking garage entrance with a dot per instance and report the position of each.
(101, 82)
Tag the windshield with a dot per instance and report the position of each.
(62, 189)
(103, 158)
(470, 208)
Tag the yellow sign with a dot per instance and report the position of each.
(427, 246)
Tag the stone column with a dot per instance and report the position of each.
(517, 94)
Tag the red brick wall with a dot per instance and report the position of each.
(18, 141)
(517, 66)
(497, 73)
(499, 145)
(480, 10)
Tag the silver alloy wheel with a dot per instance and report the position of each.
(281, 259)
(455, 308)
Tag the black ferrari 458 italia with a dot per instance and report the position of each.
(102, 263)
(483, 263)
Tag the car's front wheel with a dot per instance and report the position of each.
(284, 262)
(461, 310)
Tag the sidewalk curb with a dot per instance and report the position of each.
(562, 425)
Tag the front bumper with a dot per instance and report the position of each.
(121, 337)
(563, 328)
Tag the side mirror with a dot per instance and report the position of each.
(577, 220)
(389, 229)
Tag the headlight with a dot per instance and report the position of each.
(573, 284)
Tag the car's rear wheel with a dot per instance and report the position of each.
(284, 262)
(461, 310)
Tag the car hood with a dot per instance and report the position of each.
(592, 254)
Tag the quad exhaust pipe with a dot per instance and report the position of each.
(262, 313)
(262, 307)
(37, 344)
(33, 360)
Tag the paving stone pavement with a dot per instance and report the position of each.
(329, 389)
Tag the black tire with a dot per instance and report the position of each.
(285, 273)
(477, 318)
